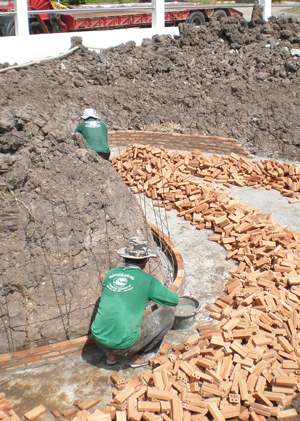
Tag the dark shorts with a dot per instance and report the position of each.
(154, 327)
(104, 155)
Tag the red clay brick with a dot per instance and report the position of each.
(52, 354)
(61, 345)
(41, 350)
(8, 364)
(36, 362)
(61, 357)
(25, 360)
(79, 341)
(15, 367)
(4, 357)
(21, 354)
(69, 350)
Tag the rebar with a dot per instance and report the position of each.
(61, 274)
(11, 345)
(107, 238)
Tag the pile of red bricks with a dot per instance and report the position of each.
(165, 175)
(247, 366)
(178, 141)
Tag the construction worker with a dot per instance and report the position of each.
(94, 132)
(119, 327)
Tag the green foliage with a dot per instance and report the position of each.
(13, 178)
(295, 10)
(29, 233)
(74, 2)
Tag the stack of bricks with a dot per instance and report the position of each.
(6, 413)
(176, 141)
(47, 354)
(165, 175)
(248, 366)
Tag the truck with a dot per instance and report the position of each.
(74, 20)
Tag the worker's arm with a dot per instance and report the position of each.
(161, 294)
(77, 129)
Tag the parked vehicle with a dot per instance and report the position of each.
(114, 18)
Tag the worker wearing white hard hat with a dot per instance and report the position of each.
(94, 132)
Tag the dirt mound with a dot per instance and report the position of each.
(64, 212)
(227, 78)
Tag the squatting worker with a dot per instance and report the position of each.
(94, 132)
(119, 327)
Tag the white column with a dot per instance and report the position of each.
(21, 18)
(158, 14)
(267, 4)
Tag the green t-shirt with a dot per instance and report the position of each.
(126, 292)
(95, 134)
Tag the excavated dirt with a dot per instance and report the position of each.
(228, 78)
(64, 211)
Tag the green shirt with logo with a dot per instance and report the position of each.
(126, 292)
(95, 134)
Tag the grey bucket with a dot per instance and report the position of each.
(185, 313)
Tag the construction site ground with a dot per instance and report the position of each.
(258, 104)
(206, 270)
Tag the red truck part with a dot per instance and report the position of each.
(115, 18)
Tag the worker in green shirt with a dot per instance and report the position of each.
(119, 327)
(94, 132)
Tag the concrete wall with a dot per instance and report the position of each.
(24, 49)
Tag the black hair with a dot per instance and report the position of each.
(138, 262)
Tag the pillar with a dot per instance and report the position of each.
(21, 18)
(267, 5)
(158, 14)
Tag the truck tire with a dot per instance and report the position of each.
(220, 14)
(196, 18)
(11, 30)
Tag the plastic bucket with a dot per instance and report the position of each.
(185, 313)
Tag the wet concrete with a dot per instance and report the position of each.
(58, 386)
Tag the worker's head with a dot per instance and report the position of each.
(136, 252)
(137, 262)
(90, 113)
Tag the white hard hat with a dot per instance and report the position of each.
(90, 112)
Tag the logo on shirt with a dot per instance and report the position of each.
(92, 124)
(119, 283)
